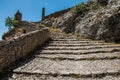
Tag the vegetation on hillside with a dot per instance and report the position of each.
(82, 8)
(10, 23)
(13, 28)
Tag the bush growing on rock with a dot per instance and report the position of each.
(92, 6)
(10, 23)
(82, 8)
(79, 9)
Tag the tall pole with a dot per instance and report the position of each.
(43, 13)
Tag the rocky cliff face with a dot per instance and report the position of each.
(102, 24)
(66, 22)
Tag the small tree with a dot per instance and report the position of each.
(10, 23)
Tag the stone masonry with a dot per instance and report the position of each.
(19, 47)
(69, 58)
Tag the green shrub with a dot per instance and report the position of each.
(43, 24)
(82, 8)
(92, 6)
(10, 23)
(79, 9)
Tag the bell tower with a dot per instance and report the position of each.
(18, 16)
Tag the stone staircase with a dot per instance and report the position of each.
(69, 58)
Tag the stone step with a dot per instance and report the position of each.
(64, 37)
(78, 47)
(87, 44)
(69, 58)
(93, 56)
(86, 68)
(75, 42)
(59, 77)
(81, 40)
(82, 47)
(71, 39)
(61, 35)
(77, 52)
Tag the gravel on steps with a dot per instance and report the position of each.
(68, 58)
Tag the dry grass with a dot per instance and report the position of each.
(53, 29)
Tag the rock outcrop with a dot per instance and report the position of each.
(102, 24)
(99, 20)
(65, 23)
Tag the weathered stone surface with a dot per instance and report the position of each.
(69, 41)
(65, 23)
(78, 51)
(65, 39)
(44, 77)
(86, 44)
(113, 2)
(67, 67)
(47, 22)
(98, 62)
(79, 47)
(13, 50)
(78, 61)
(102, 24)
(78, 43)
(93, 56)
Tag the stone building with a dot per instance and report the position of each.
(18, 16)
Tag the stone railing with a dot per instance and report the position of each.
(13, 50)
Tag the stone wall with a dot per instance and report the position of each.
(49, 19)
(19, 47)
(57, 14)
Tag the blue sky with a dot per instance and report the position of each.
(31, 9)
